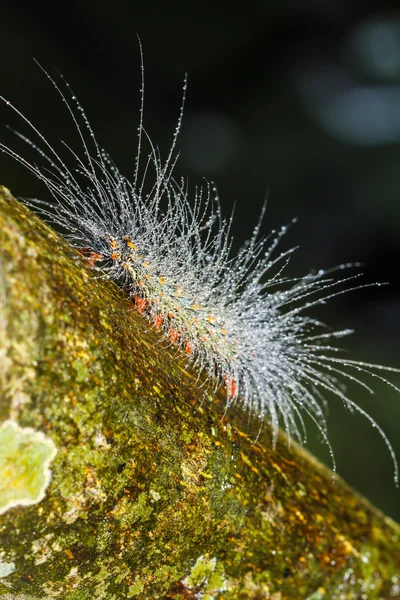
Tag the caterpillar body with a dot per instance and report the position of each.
(237, 318)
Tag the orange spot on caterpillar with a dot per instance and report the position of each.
(158, 321)
(115, 256)
(211, 319)
(230, 386)
(130, 244)
(114, 245)
(173, 335)
(140, 303)
(94, 257)
(162, 280)
(188, 348)
(195, 306)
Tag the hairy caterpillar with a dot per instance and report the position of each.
(236, 317)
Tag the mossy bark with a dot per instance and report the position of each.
(136, 484)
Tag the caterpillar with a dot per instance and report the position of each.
(236, 317)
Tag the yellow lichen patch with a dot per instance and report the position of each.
(25, 457)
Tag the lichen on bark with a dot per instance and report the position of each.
(25, 458)
(155, 491)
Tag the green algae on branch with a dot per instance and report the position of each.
(154, 493)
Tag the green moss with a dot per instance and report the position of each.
(155, 495)
(207, 577)
(201, 571)
(82, 373)
(135, 590)
(320, 594)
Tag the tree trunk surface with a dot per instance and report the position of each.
(121, 477)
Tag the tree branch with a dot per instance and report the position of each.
(121, 478)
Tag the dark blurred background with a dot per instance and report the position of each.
(299, 99)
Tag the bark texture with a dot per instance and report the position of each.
(121, 478)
